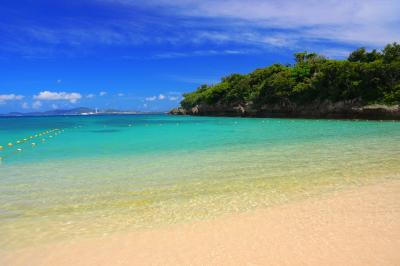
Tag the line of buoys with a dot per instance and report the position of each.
(54, 132)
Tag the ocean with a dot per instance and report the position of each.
(74, 177)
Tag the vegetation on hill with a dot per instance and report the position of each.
(370, 77)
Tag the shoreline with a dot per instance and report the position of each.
(349, 117)
(355, 227)
(286, 116)
(326, 110)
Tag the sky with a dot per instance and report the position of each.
(143, 55)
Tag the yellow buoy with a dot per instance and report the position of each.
(33, 144)
(10, 144)
(18, 142)
(1, 147)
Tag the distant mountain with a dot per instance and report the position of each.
(74, 111)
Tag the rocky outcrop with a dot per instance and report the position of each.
(340, 110)
(178, 111)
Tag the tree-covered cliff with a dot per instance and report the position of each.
(364, 77)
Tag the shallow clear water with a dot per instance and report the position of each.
(104, 174)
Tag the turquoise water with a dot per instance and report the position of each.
(98, 175)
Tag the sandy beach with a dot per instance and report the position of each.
(355, 227)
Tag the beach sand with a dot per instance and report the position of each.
(360, 226)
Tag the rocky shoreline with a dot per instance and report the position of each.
(326, 109)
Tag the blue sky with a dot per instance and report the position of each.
(142, 55)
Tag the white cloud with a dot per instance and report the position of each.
(90, 96)
(103, 93)
(10, 97)
(173, 98)
(161, 97)
(120, 94)
(54, 96)
(36, 104)
(25, 105)
(151, 98)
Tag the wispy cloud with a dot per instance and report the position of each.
(151, 98)
(203, 53)
(192, 80)
(336, 53)
(369, 22)
(224, 27)
(36, 104)
(172, 96)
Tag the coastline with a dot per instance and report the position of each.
(354, 227)
(324, 110)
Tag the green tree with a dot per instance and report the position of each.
(371, 77)
(391, 53)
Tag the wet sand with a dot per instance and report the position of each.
(356, 227)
